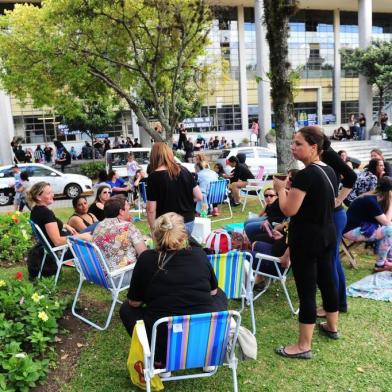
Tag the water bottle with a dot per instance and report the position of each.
(203, 212)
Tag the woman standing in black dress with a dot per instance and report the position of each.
(311, 238)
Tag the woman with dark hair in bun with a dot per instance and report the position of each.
(310, 203)
(369, 219)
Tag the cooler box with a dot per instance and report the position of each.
(201, 229)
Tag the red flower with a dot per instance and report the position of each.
(16, 220)
(19, 276)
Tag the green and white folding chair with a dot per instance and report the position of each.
(256, 188)
(218, 193)
(57, 252)
(92, 267)
(280, 276)
(194, 341)
(233, 271)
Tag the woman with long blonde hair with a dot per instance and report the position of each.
(170, 187)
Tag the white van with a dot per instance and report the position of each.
(117, 160)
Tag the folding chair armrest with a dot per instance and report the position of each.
(142, 335)
(260, 256)
(61, 247)
(121, 270)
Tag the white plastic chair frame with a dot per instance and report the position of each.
(255, 188)
(281, 277)
(57, 252)
(113, 288)
(149, 354)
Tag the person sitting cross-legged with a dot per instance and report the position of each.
(238, 179)
(369, 219)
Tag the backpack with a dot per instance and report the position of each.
(34, 259)
(219, 241)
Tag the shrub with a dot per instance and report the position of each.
(28, 327)
(91, 169)
(15, 237)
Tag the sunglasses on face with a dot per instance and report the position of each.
(106, 192)
(269, 195)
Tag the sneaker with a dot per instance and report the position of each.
(209, 369)
(259, 287)
(234, 204)
(387, 266)
(165, 375)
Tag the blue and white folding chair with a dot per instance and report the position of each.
(280, 276)
(92, 267)
(194, 341)
(256, 187)
(57, 252)
(233, 271)
(141, 199)
(217, 193)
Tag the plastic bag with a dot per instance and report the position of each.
(135, 366)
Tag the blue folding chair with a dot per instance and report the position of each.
(194, 341)
(57, 252)
(92, 267)
(217, 193)
(233, 271)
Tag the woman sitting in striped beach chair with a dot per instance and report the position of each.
(172, 280)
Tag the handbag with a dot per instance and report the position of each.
(135, 365)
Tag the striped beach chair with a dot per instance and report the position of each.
(194, 341)
(217, 193)
(58, 252)
(93, 268)
(233, 271)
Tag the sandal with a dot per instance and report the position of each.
(327, 332)
(303, 355)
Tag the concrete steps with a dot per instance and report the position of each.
(360, 149)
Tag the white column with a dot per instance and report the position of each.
(365, 38)
(320, 106)
(7, 130)
(264, 86)
(336, 68)
(242, 59)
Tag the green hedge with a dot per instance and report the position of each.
(91, 169)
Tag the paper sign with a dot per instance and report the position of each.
(177, 328)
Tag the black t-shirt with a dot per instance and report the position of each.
(241, 173)
(99, 214)
(172, 194)
(42, 215)
(182, 287)
(362, 209)
(274, 213)
(312, 228)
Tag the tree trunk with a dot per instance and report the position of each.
(381, 103)
(276, 18)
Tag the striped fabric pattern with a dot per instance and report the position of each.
(217, 192)
(229, 270)
(197, 340)
(143, 191)
(88, 260)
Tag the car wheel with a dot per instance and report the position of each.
(72, 191)
(5, 197)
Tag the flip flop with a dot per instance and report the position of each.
(303, 355)
(328, 333)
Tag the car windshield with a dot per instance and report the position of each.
(224, 154)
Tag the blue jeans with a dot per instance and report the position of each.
(339, 279)
(362, 133)
(189, 227)
(253, 227)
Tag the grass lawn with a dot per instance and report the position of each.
(360, 361)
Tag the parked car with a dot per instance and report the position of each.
(255, 157)
(63, 184)
(117, 159)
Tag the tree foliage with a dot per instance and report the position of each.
(277, 14)
(145, 52)
(373, 62)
